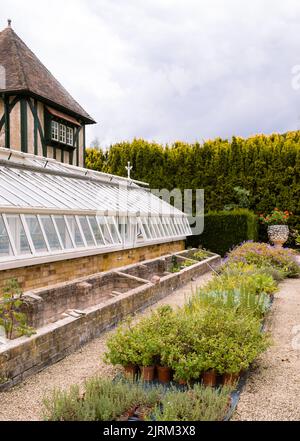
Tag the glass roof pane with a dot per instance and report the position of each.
(63, 232)
(36, 233)
(50, 233)
(86, 231)
(5, 247)
(18, 234)
(96, 230)
(75, 232)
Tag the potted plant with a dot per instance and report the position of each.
(122, 350)
(278, 230)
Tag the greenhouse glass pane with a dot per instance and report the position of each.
(113, 230)
(5, 247)
(63, 232)
(146, 227)
(108, 237)
(36, 233)
(50, 233)
(75, 232)
(96, 230)
(86, 231)
(18, 234)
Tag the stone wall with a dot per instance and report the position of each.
(48, 274)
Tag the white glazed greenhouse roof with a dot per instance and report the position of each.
(51, 211)
(31, 182)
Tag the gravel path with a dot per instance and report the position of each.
(24, 402)
(272, 391)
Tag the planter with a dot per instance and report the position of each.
(147, 373)
(130, 371)
(209, 378)
(164, 374)
(278, 234)
(182, 382)
(230, 379)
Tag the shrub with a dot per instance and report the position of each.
(262, 255)
(246, 277)
(13, 320)
(225, 229)
(196, 404)
(242, 302)
(201, 344)
(145, 343)
(102, 400)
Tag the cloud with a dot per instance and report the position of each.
(170, 69)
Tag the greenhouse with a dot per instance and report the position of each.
(53, 211)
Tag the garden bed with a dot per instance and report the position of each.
(125, 294)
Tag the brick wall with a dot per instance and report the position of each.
(39, 276)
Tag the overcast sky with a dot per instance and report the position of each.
(169, 70)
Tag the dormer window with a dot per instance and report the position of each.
(62, 133)
(62, 127)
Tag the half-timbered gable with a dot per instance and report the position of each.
(37, 114)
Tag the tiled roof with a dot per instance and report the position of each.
(25, 73)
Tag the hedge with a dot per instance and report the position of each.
(267, 166)
(225, 229)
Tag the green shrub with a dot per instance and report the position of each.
(225, 229)
(144, 343)
(215, 338)
(196, 404)
(12, 317)
(102, 400)
(262, 255)
(241, 301)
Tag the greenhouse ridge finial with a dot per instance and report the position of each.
(128, 168)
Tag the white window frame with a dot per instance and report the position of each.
(54, 130)
(70, 135)
(62, 133)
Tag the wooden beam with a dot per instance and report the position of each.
(7, 121)
(35, 134)
(24, 125)
(39, 127)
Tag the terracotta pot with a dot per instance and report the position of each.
(164, 374)
(278, 234)
(182, 382)
(230, 379)
(147, 373)
(209, 378)
(130, 371)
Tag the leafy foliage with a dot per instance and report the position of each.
(225, 229)
(262, 254)
(196, 404)
(12, 318)
(102, 400)
(268, 167)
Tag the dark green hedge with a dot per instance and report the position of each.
(267, 166)
(225, 229)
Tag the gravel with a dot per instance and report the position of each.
(24, 402)
(272, 390)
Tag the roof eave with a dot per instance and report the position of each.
(27, 92)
